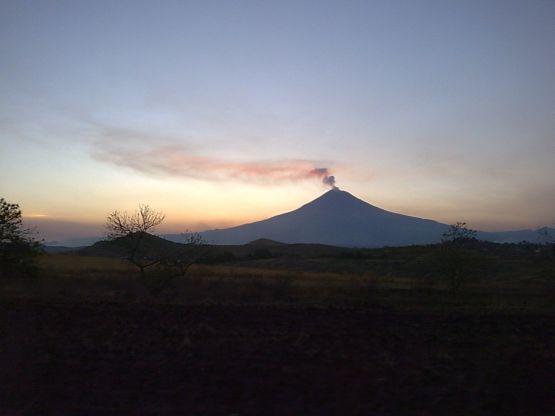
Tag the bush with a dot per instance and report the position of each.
(18, 248)
(459, 256)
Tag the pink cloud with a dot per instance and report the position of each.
(176, 161)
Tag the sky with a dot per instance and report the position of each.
(224, 112)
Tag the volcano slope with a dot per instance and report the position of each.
(335, 218)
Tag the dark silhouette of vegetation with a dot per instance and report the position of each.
(458, 255)
(546, 258)
(547, 241)
(165, 263)
(18, 247)
(175, 263)
(459, 233)
(131, 230)
(545, 237)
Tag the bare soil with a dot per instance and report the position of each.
(108, 358)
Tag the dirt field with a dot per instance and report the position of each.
(108, 358)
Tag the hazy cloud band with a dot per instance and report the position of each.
(175, 160)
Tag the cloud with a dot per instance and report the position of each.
(180, 161)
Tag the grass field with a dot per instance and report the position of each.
(93, 278)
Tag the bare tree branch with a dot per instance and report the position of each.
(132, 232)
(122, 224)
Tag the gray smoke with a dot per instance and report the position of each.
(329, 180)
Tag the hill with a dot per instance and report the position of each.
(120, 247)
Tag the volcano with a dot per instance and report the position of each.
(335, 218)
(338, 218)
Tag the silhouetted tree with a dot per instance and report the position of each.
(175, 263)
(546, 239)
(547, 258)
(131, 230)
(459, 233)
(18, 247)
(457, 260)
(167, 261)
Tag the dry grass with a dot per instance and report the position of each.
(83, 264)
(77, 278)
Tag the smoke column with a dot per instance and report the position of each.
(330, 180)
(324, 173)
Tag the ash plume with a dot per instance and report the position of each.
(330, 180)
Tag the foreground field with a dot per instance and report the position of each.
(70, 278)
(85, 336)
(103, 358)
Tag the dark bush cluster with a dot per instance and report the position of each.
(18, 247)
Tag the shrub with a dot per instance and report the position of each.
(18, 248)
